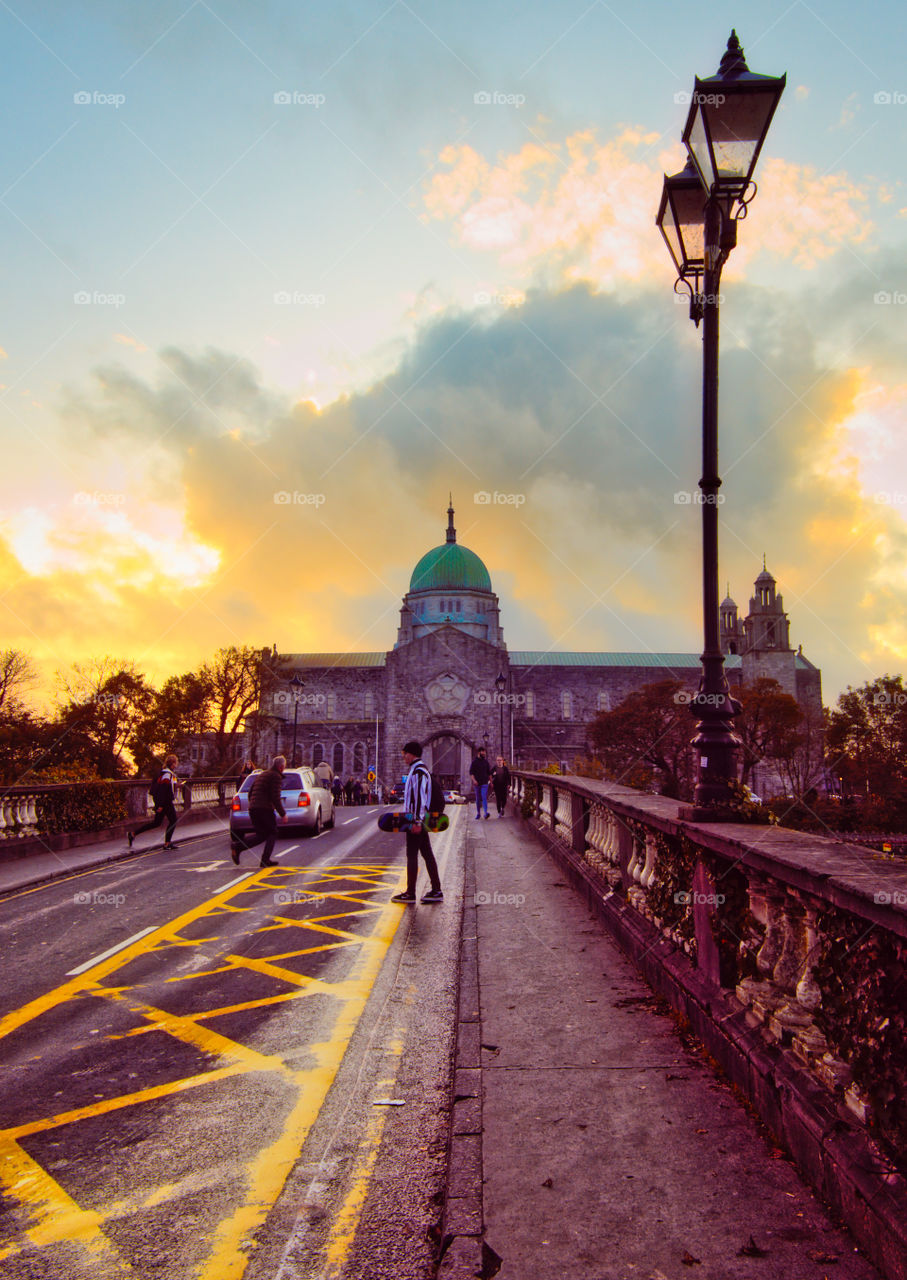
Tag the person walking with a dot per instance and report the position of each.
(247, 767)
(337, 790)
(416, 801)
(357, 791)
(163, 792)
(324, 774)
(500, 781)
(480, 772)
(264, 806)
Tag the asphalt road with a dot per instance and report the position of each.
(199, 1062)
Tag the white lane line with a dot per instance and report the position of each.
(375, 810)
(346, 820)
(111, 951)
(238, 880)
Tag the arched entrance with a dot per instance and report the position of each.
(446, 756)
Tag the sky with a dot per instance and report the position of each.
(278, 278)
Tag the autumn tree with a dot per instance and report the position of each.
(234, 678)
(768, 726)
(181, 711)
(867, 738)
(103, 701)
(646, 739)
(17, 675)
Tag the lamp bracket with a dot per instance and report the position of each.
(696, 301)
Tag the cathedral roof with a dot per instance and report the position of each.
(450, 567)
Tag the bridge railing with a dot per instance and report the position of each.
(782, 947)
(41, 811)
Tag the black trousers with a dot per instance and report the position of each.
(160, 813)
(416, 844)
(265, 823)
(501, 799)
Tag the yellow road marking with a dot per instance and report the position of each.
(59, 1217)
(343, 1229)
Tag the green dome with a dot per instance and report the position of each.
(450, 567)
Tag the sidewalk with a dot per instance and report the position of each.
(592, 1141)
(36, 868)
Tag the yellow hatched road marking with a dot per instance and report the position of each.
(59, 1217)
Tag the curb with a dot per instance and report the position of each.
(465, 1255)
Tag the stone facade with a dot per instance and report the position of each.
(451, 682)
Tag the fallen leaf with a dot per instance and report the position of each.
(819, 1255)
(751, 1250)
(548, 1183)
(689, 1261)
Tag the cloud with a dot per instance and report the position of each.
(584, 209)
(250, 519)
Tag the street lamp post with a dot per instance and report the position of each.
(500, 685)
(297, 684)
(728, 120)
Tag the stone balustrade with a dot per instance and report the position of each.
(783, 949)
(32, 811)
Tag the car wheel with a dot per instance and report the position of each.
(316, 829)
(329, 825)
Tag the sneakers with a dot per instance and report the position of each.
(266, 862)
(486, 815)
(433, 895)
(171, 845)
(478, 816)
(404, 897)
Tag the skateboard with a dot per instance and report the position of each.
(400, 821)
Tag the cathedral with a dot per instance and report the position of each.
(451, 682)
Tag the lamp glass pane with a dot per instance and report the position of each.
(698, 145)
(737, 126)
(688, 213)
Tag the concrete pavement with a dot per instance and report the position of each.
(591, 1138)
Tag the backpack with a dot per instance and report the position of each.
(436, 798)
(162, 788)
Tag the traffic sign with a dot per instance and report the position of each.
(371, 775)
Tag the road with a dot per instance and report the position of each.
(199, 1061)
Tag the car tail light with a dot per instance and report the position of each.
(236, 805)
(304, 801)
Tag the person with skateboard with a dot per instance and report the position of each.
(265, 804)
(417, 802)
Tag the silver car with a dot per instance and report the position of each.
(309, 807)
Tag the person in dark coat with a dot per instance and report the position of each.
(480, 772)
(264, 806)
(164, 790)
(500, 781)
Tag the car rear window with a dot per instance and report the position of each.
(289, 781)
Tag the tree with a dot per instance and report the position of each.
(867, 738)
(646, 739)
(180, 712)
(17, 674)
(105, 700)
(234, 677)
(768, 726)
